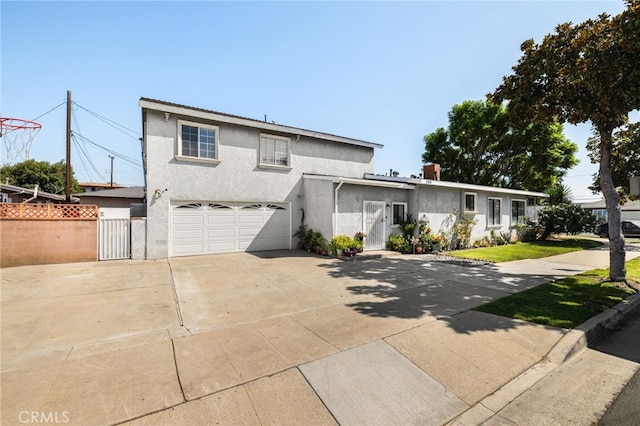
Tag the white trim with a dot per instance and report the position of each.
(247, 122)
(363, 182)
(475, 203)
(216, 144)
(275, 138)
(445, 184)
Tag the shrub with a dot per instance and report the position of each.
(461, 233)
(344, 242)
(408, 225)
(310, 240)
(398, 242)
(566, 218)
(528, 231)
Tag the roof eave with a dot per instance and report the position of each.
(248, 122)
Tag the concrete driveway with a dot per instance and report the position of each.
(273, 337)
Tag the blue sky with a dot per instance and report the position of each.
(386, 72)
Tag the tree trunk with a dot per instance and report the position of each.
(617, 271)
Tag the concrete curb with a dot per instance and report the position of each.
(572, 343)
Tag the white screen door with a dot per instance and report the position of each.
(373, 224)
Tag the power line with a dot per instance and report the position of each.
(136, 163)
(52, 109)
(119, 127)
(82, 157)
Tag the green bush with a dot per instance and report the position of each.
(461, 233)
(407, 225)
(310, 240)
(344, 242)
(528, 231)
(566, 218)
(398, 242)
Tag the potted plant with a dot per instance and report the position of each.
(436, 242)
(340, 243)
(361, 238)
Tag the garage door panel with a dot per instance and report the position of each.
(194, 220)
(250, 219)
(217, 227)
(243, 233)
(187, 249)
(221, 247)
(188, 234)
(221, 233)
(220, 220)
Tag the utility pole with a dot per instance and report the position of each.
(111, 158)
(68, 187)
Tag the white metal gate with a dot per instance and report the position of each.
(373, 225)
(114, 239)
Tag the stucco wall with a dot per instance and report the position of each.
(138, 238)
(34, 242)
(351, 200)
(319, 206)
(237, 176)
(443, 206)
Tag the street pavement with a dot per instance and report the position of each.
(291, 338)
(624, 343)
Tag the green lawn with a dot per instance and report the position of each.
(568, 302)
(531, 250)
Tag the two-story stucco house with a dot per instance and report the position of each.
(220, 183)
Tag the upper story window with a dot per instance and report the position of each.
(197, 140)
(399, 213)
(469, 202)
(493, 214)
(275, 151)
(518, 211)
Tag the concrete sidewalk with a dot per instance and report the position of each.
(283, 340)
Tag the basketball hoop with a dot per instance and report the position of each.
(17, 135)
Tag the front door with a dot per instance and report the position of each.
(373, 224)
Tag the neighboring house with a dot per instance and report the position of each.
(18, 194)
(628, 211)
(121, 197)
(221, 183)
(98, 186)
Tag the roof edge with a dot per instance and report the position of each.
(174, 108)
(456, 185)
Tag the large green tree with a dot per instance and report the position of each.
(46, 175)
(625, 157)
(586, 72)
(483, 146)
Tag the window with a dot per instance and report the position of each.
(197, 140)
(469, 202)
(518, 209)
(493, 215)
(398, 213)
(274, 151)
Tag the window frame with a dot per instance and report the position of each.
(475, 202)
(287, 140)
(491, 219)
(517, 220)
(216, 142)
(393, 212)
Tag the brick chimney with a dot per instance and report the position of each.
(431, 171)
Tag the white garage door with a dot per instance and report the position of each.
(217, 227)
